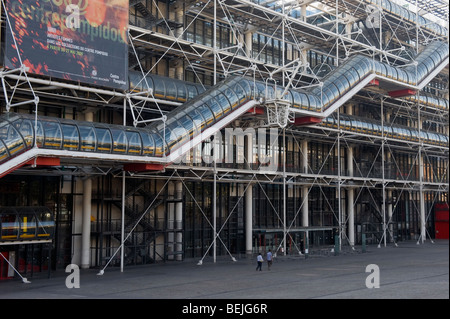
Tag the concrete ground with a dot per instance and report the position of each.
(409, 271)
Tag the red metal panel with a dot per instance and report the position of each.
(442, 230)
(256, 110)
(307, 120)
(4, 265)
(44, 161)
(401, 93)
(142, 167)
(441, 213)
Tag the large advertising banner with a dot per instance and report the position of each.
(79, 40)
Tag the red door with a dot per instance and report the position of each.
(441, 220)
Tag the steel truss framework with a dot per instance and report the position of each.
(293, 44)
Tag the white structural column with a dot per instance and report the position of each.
(249, 220)
(86, 220)
(350, 191)
(249, 200)
(421, 192)
(248, 43)
(305, 190)
(390, 212)
(170, 220)
(179, 219)
(179, 18)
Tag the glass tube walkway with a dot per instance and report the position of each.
(206, 112)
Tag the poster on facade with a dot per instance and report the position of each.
(79, 40)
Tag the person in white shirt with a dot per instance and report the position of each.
(260, 260)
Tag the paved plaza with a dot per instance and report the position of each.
(407, 271)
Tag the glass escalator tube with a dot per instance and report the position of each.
(148, 143)
(332, 92)
(428, 65)
(9, 222)
(378, 129)
(394, 73)
(159, 89)
(175, 135)
(26, 129)
(200, 88)
(225, 103)
(4, 155)
(259, 90)
(188, 128)
(192, 91)
(408, 134)
(444, 104)
(213, 105)
(314, 103)
(27, 223)
(52, 133)
(421, 71)
(347, 123)
(240, 92)
(198, 119)
(269, 92)
(104, 139)
(181, 92)
(361, 68)
(446, 140)
(389, 71)
(330, 122)
(297, 100)
(171, 90)
(247, 86)
(352, 77)
(160, 146)
(88, 138)
(290, 98)
(119, 141)
(12, 141)
(434, 59)
(136, 82)
(370, 128)
(387, 5)
(135, 145)
(325, 96)
(344, 83)
(71, 137)
(45, 223)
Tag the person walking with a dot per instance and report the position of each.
(260, 260)
(269, 259)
